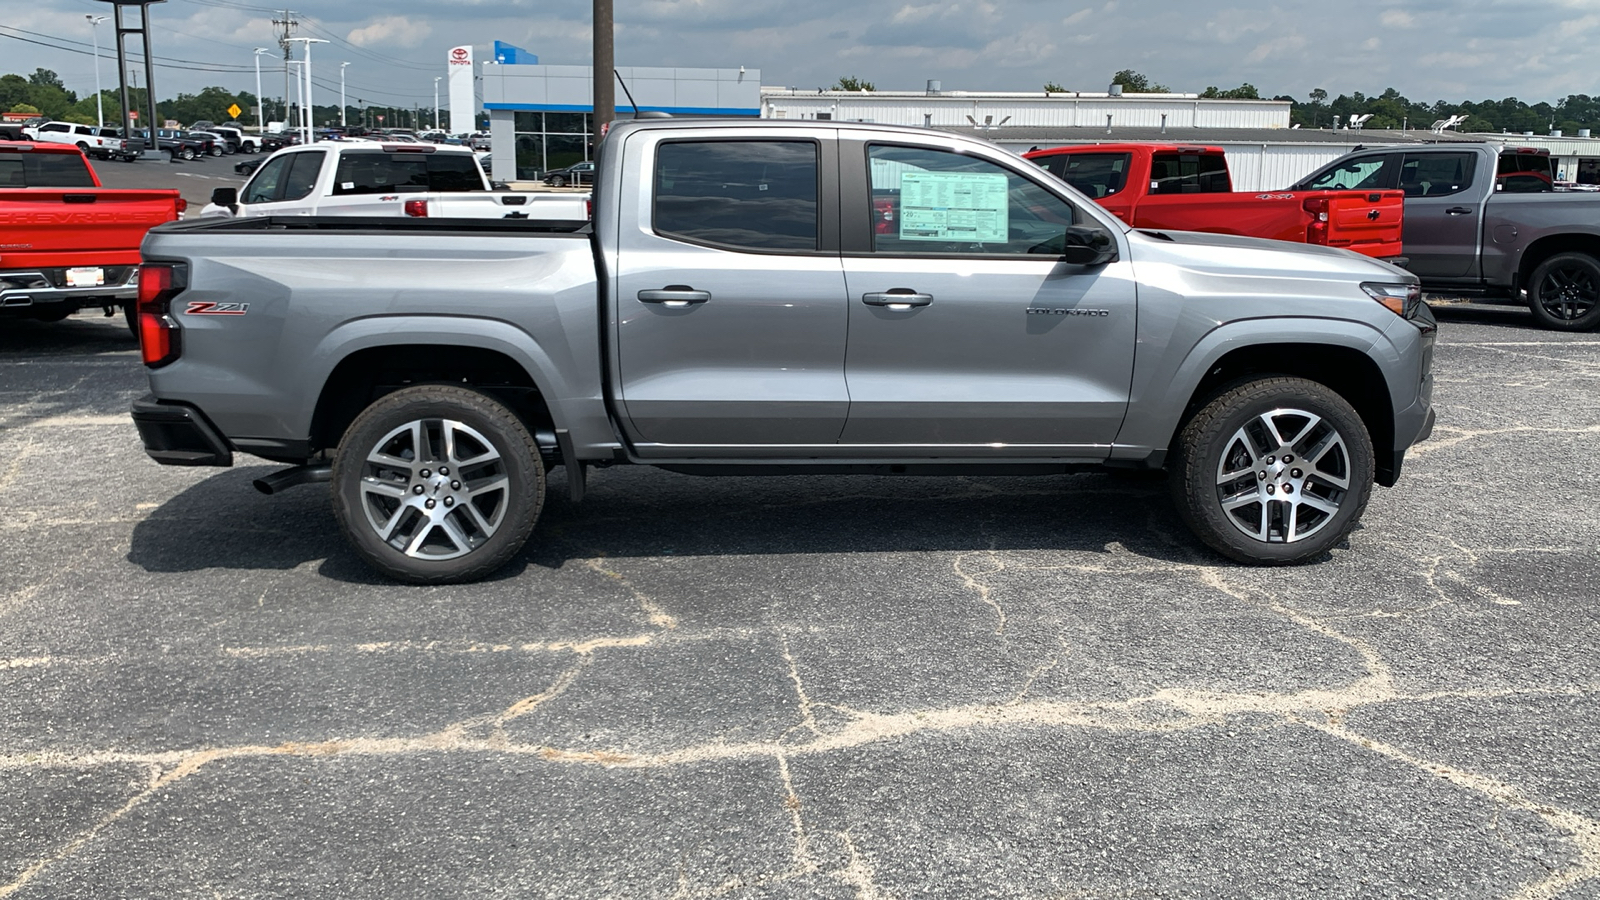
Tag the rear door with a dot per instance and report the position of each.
(1442, 207)
(282, 185)
(731, 314)
(968, 331)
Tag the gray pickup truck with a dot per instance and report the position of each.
(779, 297)
(1482, 220)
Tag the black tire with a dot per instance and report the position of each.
(1281, 511)
(130, 315)
(83, 148)
(186, 154)
(1564, 292)
(557, 181)
(477, 524)
(215, 150)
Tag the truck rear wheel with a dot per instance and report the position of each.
(1274, 471)
(1564, 292)
(437, 484)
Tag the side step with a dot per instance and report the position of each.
(320, 473)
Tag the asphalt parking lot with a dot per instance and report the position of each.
(194, 179)
(803, 686)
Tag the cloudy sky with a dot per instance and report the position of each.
(1428, 49)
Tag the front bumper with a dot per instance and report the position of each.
(177, 434)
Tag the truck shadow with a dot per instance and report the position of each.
(649, 513)
(85, 334)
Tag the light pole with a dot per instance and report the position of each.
(341, 93)
(261, 111)
(99, 102)
(436, 104)
(305, 101)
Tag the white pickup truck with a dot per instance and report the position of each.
(369, 178)
(86, 137)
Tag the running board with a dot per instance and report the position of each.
(320, 473)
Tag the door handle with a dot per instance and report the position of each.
(676, 296)
(1458, 211)
(897, 299)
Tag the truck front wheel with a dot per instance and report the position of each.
(437, 484)
(1274, 471)
(1564, 292)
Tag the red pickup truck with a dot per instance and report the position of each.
(65, 241)
(1182, 188)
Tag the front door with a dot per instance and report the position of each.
(731, 300)
(967, 328)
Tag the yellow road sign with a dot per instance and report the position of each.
(234, 110)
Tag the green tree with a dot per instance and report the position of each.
(1134, 83)
(28, 108)
(852, 83)
(1244, 91)
(1050, 87)
(46, 78)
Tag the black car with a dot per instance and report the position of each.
(575, 174)
(177, 144)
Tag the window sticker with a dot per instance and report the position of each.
(954, 206)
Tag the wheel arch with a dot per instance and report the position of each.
(369, 358)
(1344, 365)
(1546, 247)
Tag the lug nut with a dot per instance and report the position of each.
(1270, 461)
(1296, 473)
(426, 473)
(1288, 489)
(1287, 459)
(444, 470)
(416, 489)
(449, 502)
(1270, 490)
(1261, 476)
(432, 503)
(455, 485)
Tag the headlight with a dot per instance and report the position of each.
(1400, 299)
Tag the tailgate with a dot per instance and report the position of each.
(1367, 222)
(78, 220)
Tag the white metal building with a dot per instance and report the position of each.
(938, 108)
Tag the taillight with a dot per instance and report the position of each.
(1317, 231)
(588, 206)
(183, 206)
(417, 208)
(160, 341)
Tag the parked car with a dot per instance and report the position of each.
(85, 137)
(221, 144)
(68, 242)
(1183, 188)
(575, 174)
(1466, 234)
(132, 148)
(178, 144)
(366, 178)
(1007, 324)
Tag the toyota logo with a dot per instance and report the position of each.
(459, 53)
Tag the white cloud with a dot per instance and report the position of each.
(1397, 18)
(1372, 43)
(394, 31)
(1276, 48)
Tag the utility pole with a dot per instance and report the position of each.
(261, 107)
(436, 104)
(288, 25)
(605, 66)
(99, 105)
(342, 122)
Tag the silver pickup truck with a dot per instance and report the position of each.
(778, 297)
(1485, 220)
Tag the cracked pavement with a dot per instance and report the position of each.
(843, 687)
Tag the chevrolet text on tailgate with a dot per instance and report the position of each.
(734, 308)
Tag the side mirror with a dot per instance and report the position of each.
(226, 196)
(1089, 245)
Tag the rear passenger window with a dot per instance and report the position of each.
(1188, 173)
(1095, 174)
(746, 195)
(302, 175)
(1436, 174)
(1366, 173)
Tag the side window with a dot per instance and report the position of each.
(302, 175)
(1095, 174)
(53, 126)
(1368, 173)
(927, 202)
(84, 129)
(56, 170)
(1525, 173)
(748, 195)
(265, 187)
(11, 171)
(1188, 173)
(1436, 174)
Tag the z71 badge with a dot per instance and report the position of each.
(207, 308)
